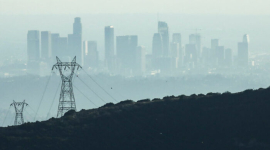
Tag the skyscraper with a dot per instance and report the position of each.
(196, 39)
(140, 61)
(163, 29)
(126, 50)
(33, 45)
(109, 47)
(54, 39)
(228, 57)
(62, 47)
(91, 56)
(220, 54)
(243, 48)
(75, 41)
(177, 38)
(46, 49)
(190, 54)
(157, 46)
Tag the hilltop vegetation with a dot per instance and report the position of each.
(214, 121)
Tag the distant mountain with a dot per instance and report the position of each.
(215, 121)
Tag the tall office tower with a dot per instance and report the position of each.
(190, 54)
(140, 61)
(196, 39)
(54, 39)
(243, 51)
(163, 29)
(75, 41)
(228, 57)
(214, 43)
(246, 38)
(91, 54)
(177, 38)
(109, 47)
(46, 49)
(212, 54)
(126, 50)
(220, 55)
(33, 45)
(62, 48)
(157, 46)
(205, 56)
(33, 54)
(175, 49)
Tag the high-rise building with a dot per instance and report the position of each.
(109, 47)
(157, 46)
(140, 61)
(228, 57)
(75, 41)
(33, 54)
(220, 54)
(163, 29)
(175, 49)
(214, 43)
(196, 39)
(126, 50)
(246, 38)
(177, 38)
(243, 48)
(62, 47)
(190, 54)
(91, 54)
(54, 44)
(46, 48)
(33, 45)
(213, 60)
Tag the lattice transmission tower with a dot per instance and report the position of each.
(67, 99)
(19, 106)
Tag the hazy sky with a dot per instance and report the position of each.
(134, 6)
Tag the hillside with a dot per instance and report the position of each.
(239, 121)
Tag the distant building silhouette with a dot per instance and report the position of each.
(109, 47)
(243, 48)
(33, 45)
(126, 51)
(62, 48)
(163, 29)
(220, 55)
(54, 44)
(228, 57)
(140, 61)
(91, 57)
(75, 41)
(46, 47)
(190, 54)
(177, 38)
(196, 39)
(212, 54)
(157, 46)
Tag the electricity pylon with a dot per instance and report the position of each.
(19, 106)
(67, 99)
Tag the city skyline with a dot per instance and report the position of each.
(169, 56)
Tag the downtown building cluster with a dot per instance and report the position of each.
(124, 56)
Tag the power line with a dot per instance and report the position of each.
(42, 96)
(6, 115)
(53, 99)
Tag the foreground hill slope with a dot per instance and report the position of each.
(239, 121)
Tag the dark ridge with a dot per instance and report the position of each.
(215, 121)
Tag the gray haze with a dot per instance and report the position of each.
(226, 20)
